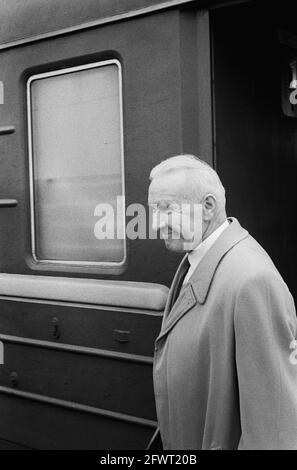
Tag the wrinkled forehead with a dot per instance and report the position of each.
(169, 186)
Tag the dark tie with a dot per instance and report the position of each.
(179, 284)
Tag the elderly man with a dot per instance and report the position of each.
(225, 373)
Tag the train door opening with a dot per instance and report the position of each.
(256, 125)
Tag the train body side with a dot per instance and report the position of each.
(78, 372)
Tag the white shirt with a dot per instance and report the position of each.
(200, 251)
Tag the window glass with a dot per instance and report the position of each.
(76, 159)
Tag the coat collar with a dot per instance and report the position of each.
(202, 277)
(198, 287)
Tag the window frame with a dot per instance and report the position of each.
(34, 262)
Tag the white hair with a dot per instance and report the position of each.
(201, 178)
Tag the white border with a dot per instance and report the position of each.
(81, 264)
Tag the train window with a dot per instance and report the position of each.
(76, 163)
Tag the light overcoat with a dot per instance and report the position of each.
(225, 366)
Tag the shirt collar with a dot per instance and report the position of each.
(196, 255)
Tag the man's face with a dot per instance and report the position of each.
(178, 218)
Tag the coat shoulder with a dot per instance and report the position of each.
(248, 260)
(247, 271)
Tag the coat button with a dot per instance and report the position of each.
(156, 348)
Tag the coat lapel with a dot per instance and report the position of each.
(198, 287)
(185, 302)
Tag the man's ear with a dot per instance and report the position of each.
(209, 206)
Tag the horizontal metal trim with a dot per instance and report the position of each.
(108, 308)
(6, 130)
(146, 360)
(79, 407)
(129, 294)
(94, 23)
(8, 203)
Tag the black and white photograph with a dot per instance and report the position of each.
(148, 228)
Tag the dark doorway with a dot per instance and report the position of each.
(256, 142)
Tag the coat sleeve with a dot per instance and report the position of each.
(266, 362)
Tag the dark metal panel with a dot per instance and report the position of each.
(116, 385)
(56, 427)
(80, 325)
(69, 348)
(8, 445)
(58, 17)
(195, 71)
(188, 81)
(70, 405)
(204, 88)
(149, 52)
